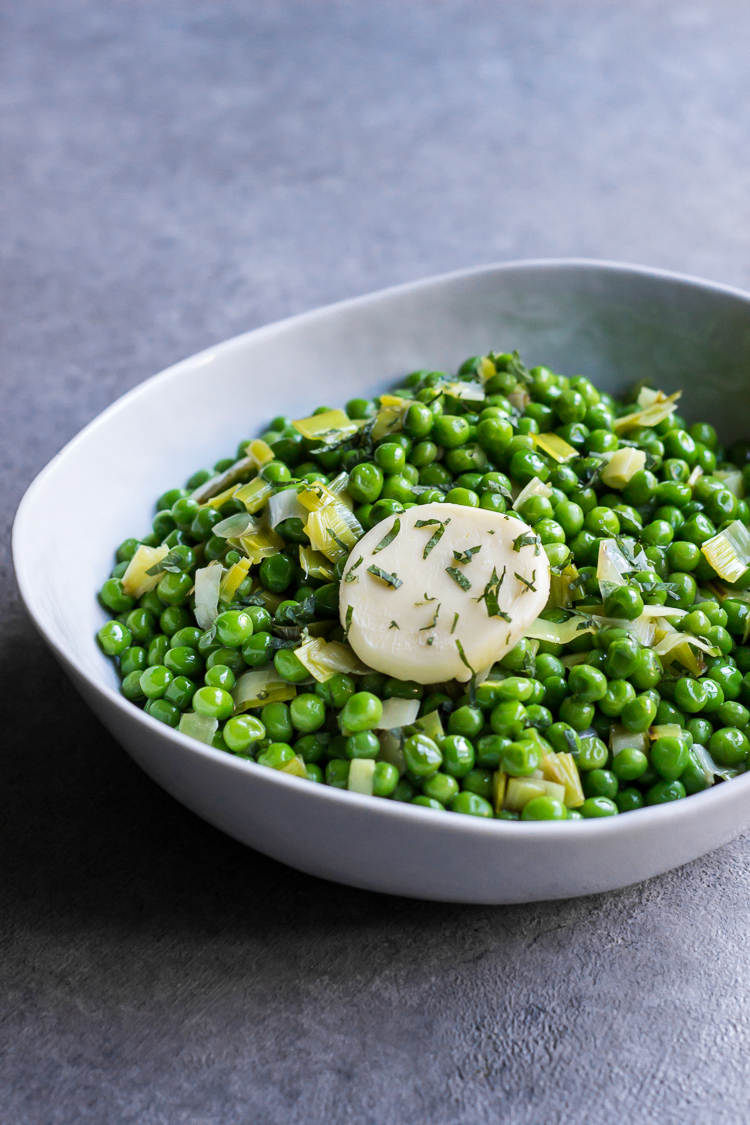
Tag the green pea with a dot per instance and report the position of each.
(471, 804)
(243, 731)
(307, 712)
(682, 590)
(390, 458)
(641, 488)
(277, 721)
(570, 406)
(544, 808)
(133, 659)
(384, 780)
(690, 695)
(667, 715)
(639, 714)
(131, 686)
(154, 681)
(184, 661)
(624, 602)
(698, 529)
(727, 677)
(180, 692)
(163, 711)
(478, 781)
(669, 757)
(362, 711)
(458, 755)
(733, 714)
(212, 702)
(337, 774)
(520, 759)
(665, 791)
(576, 713)
(113, 596)
(289, 666)
(422, 756)
(618, 694)
(628, 800)
(598, 806)
(600, 783)
(738, 617)
(141, 624)
(276, 573)
(494, 436)
(508, 718)
(586, 683)
(364, 744)
(418, 420)
(467, 721)
(629, 764)
(570, 517)
(228, 656)
(525, 465)
(234, 627)
(450, 431)
(257, 649)
(114, 638)
(593, 754)
(683, 556)
(622, 659)
(359, 408)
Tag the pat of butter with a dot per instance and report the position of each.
(450, 593)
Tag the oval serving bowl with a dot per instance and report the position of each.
(613, 323)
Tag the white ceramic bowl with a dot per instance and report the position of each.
(613, 323)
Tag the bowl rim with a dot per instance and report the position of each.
(609, 826)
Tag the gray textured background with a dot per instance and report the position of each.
(177, 171)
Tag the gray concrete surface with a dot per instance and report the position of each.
(176, 171)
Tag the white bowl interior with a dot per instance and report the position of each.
(613, 324)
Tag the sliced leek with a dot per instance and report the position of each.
(729, 551)
(136, 580)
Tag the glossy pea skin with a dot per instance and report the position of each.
(624, 602)
(276, 573)
(594, 807)
(154, 681)
(629, 764)
(362, 711)
(690, 695)
(229, 656)
(593, 755)
(364, 744)
(520, 759)
(256, 649)
(422, 756)
(276, 719)
(471, 804)
(669, 757)
(180, 692)
(544, 808)
(586, 683)
(114, 638)
(622, 658)
(289, 666)
(243, 731)
(478, 781)
(450, 431)
(184, 661)
(113, 596)
(638, 715)
(665, 791)
(307, 712)
(732, 714)
(600, 783)
(727, 677)
(458, 755)
(467, 721)
(508, 718)
(628, 800)
(576, 713)
(618, 694)
(728, 746)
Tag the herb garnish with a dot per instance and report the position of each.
(389, 579)
(466, 556)
(529, 585)
(173, 563)
(528, 539)
(433, 542)
(350, 575)
(489, 597)
(384, 542)
(348, 622)
(458, 577)
(455, 622)
(433, 623)
(394, 625)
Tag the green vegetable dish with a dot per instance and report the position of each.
(501, 593)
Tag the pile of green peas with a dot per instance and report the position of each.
(476, 452)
